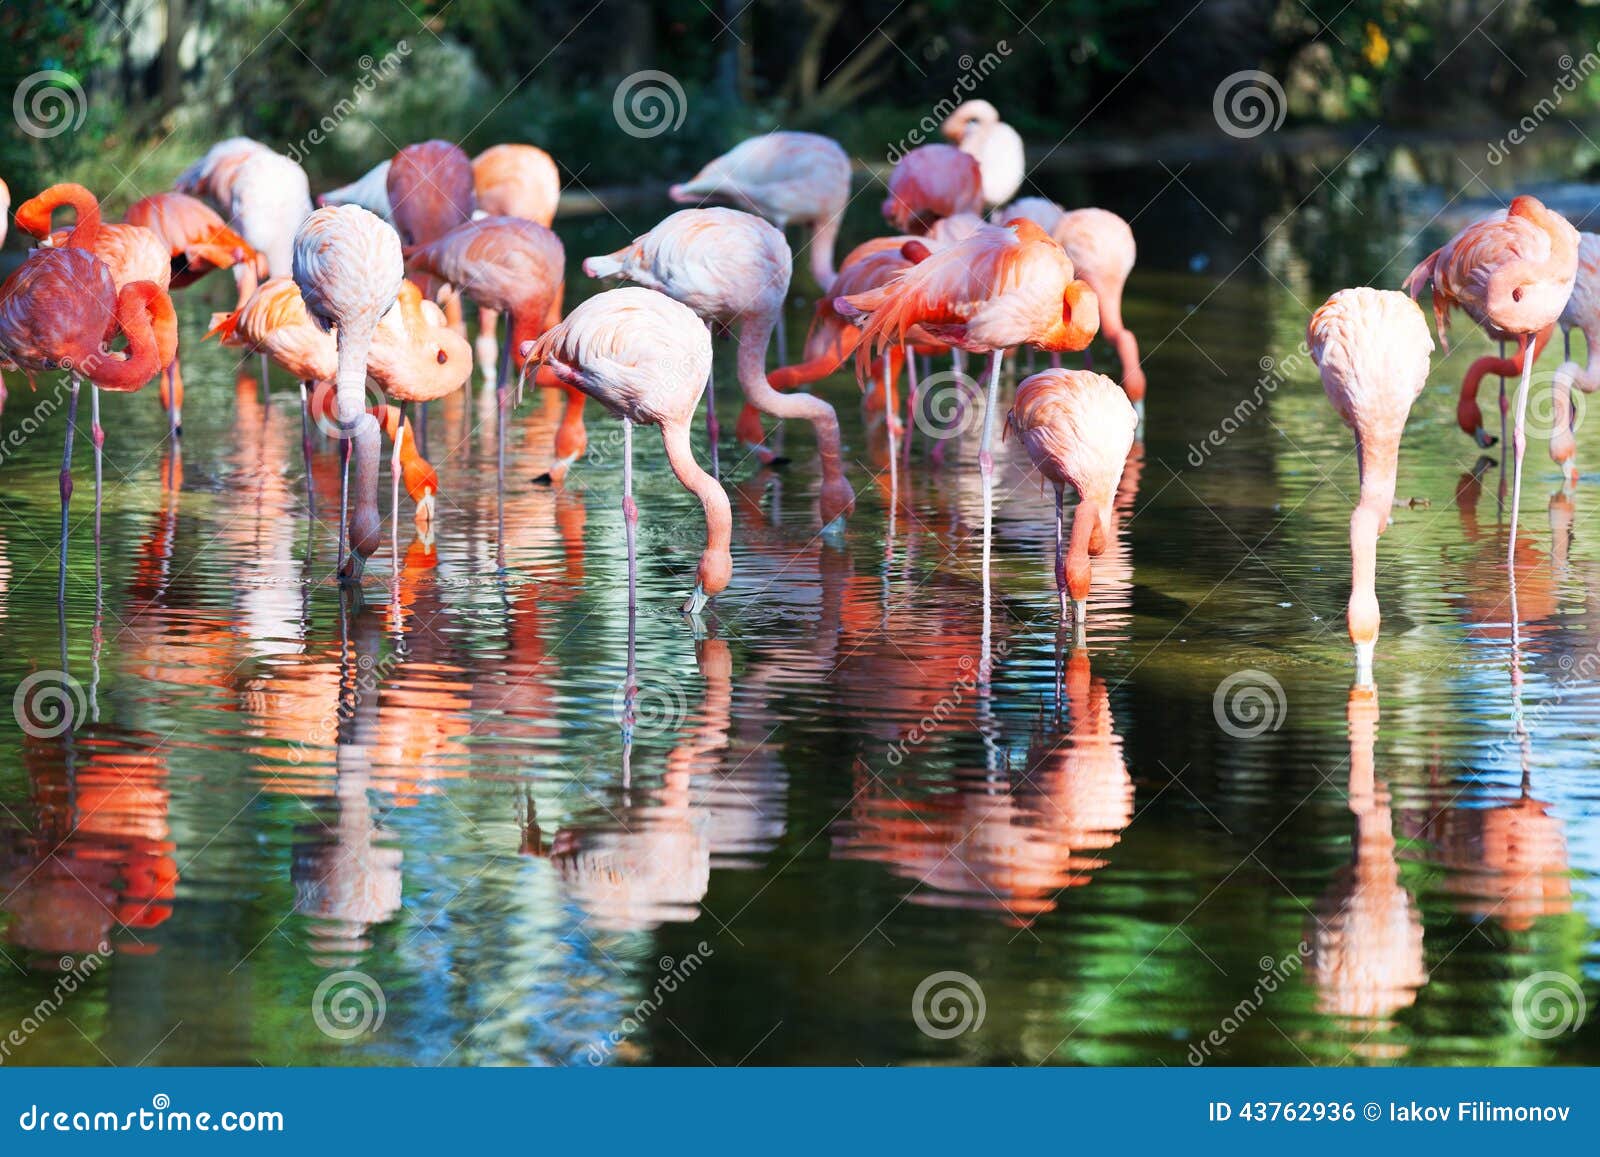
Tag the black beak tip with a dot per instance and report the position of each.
(543, 479)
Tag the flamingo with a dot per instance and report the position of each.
(1078, 428)
(268, 198)
(788, 178)
(5, 210)
(132, 254)
(511, 181)
(56, 311)
(733, 268)
(1103, 252)
(1372, 347)
(516, 265)
(976, 129)
(430, 193)
(348, 266)
(930, 182)
(198, 241)
(212, 175)
(1003, 287)
(1513, 277)
(370, 191)
(1582, 312)
(646, 357)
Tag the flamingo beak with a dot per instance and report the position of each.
(424, 515)
(696, 603)
(1080, 611)
(1364, 653)
(834, 531)
(1483, 438)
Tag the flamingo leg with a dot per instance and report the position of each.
(1519, 443)
(344, 497)
(98, 437)
(503, 397)
(421, 434)
(305, 449)
(1061, 573)
(713, 430)
(1502, 399)
(630, 516)
(394, 483)
(266, 394)
(66, 491)
(1088, 358)
(986, 471)
(911, 403)
(891, 416)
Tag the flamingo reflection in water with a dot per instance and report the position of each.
(1366, 935)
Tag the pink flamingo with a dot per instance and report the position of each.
(348, 266)
(1103, 252)
(733, 269)
(1513, 277)
(1078, 428)
(430, 193)
(976, 129)
(930, 182)
(56, 312)
(1372, 346)
(646, 358)
(787, 178)
(1003, 287)
(1582, 312)
(511, 181)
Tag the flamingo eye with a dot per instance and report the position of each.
(1516, 294)
(443, 357)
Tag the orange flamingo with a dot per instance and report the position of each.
(1372, 347)
(646, 357)
(1004, 286)
(56, 312)
(1582, 312)
(348, 266)
(930, 182)
(1078, 427)
(733, 268)
(1513, 277)
(788, 178)
(198, 241)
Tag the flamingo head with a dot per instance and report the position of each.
(1080, 314)
(968, 116)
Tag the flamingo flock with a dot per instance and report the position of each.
(360, 300)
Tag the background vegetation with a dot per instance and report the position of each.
(164, 77)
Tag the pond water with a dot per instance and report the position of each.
(406, 828)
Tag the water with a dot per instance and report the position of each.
(1189, 840)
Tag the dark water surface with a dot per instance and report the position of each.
(1191, 826)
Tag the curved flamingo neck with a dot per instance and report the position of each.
(713, 499)
(1379, 454)
(146, 318)
(824, 235)
(36, 214)
(1086, 529)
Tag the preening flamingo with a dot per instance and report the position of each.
(1372, 346)
(788, 178)
(198, 240)
(132, 254)
(645, 357)
(511, 181)
(930, 182)
(977, 130)
(517, 266)
(269, 196)
(1103, 252)
(1003, 287)
(1078, 428)
(348, 266)
(733, 268)
(430, 193)
(1513, 277)
(370, 191)
(1582, 312)
(212, 175)
(56, 311)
